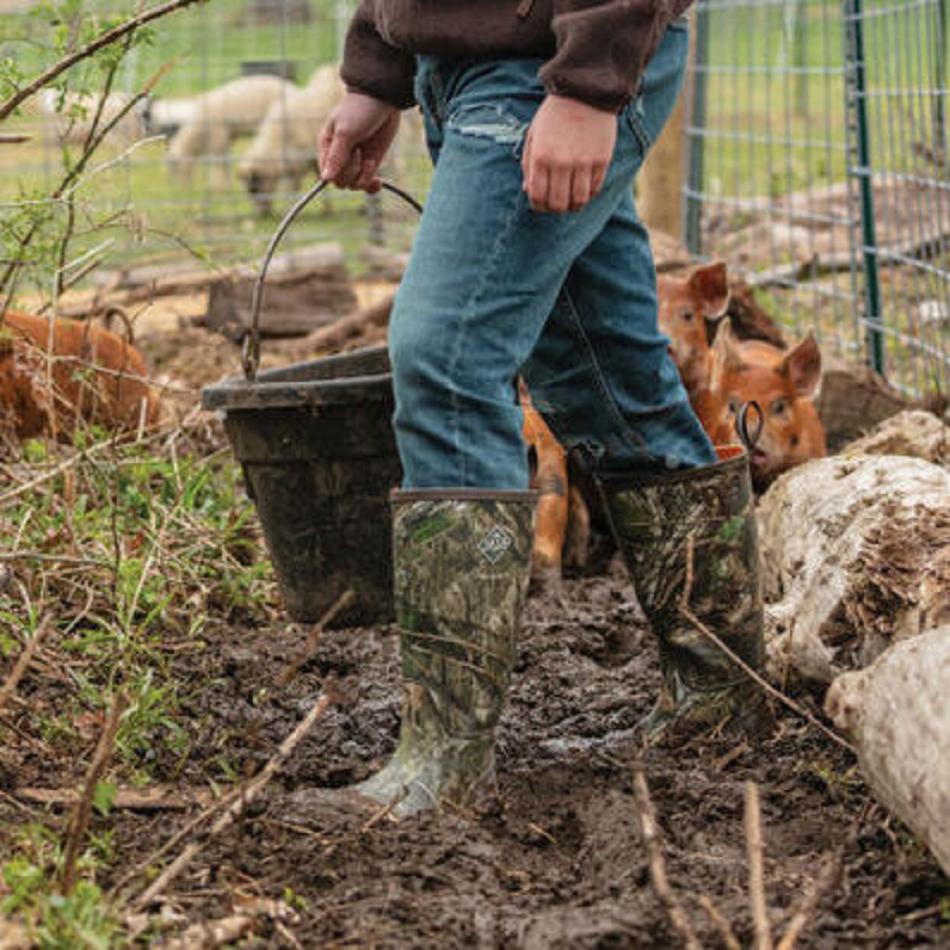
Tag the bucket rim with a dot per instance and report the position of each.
(242, 394)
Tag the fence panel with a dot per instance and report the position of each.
(817, 169)
(145, 209)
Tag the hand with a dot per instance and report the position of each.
(567, 151)
(354, 141)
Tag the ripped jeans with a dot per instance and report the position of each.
(494, 289)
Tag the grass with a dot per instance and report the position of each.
(159, 547)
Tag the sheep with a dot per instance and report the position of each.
(286, 142)
(221, 114)
(69, 118)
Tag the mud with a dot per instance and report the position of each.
(554, 859)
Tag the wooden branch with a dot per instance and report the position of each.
(23, 661)
(344, 329)
(80, 817)
(156, 798)
(293, 668)
(13, 138)
(753, 837)
(726, 933)
(650, 831)
(815, 891)
(768, 687)
(104, 39)
(238, 805)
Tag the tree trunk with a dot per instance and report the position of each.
(897, 714)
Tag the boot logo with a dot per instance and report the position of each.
(494, 544)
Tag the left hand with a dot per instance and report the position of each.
(568, 149)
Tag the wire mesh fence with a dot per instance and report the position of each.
(817, 151)
(818, 169)
(220, 147)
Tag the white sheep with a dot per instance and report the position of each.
(285, 146)
(220, 115)
(69, 120)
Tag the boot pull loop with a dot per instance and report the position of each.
(251, 344)
(748, 438)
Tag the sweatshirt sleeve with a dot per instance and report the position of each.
(372, 66)
(603, 47)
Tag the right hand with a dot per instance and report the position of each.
(354, 141)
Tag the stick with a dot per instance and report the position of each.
(650, 831)
(815, 890)
(722, 925)
(104, 39)
(80, 817)
(768, 687)
(293, 668)
(237, 807)
(23, 661)
(179, 836)
(338, 332)
(753, 836)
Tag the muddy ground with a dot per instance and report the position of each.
(555, 860)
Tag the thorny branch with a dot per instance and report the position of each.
(106, 38)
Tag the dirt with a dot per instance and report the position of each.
(555, 859)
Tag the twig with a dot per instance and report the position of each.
(80, 817)
(13, 138)
(726, 933)
(650, 831)
(23, 661)
(237, 807)
(175, 839)
(101, 41)
(815, 891)
(768, 687)
(293, 668)
(753, 837)
(51, 558)
(84, 455)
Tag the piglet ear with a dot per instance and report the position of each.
(802, 366)
(725, 354)
(710, 286)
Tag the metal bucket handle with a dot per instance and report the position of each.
(251, 346)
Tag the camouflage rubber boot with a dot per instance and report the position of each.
(689, 542)
(461, 565)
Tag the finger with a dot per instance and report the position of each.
(351, 173)
(324, 139)
(581, 188)
(597, 179)
(526, 161)
(339, 156)
(367, 175)
(559, 190)
(538, 176)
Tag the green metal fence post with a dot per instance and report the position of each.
(860, 168)
(696, 143)
(939, 81)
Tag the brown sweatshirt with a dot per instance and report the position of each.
(596, 50)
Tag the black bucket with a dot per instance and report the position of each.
(316, 444)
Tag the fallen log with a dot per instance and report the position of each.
(898, 716)
(293, 305)
(853, 400)
(334, 337)
(856, 556)
(913, 433)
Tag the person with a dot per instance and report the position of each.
(530, 260)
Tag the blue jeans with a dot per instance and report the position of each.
(494, 289)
